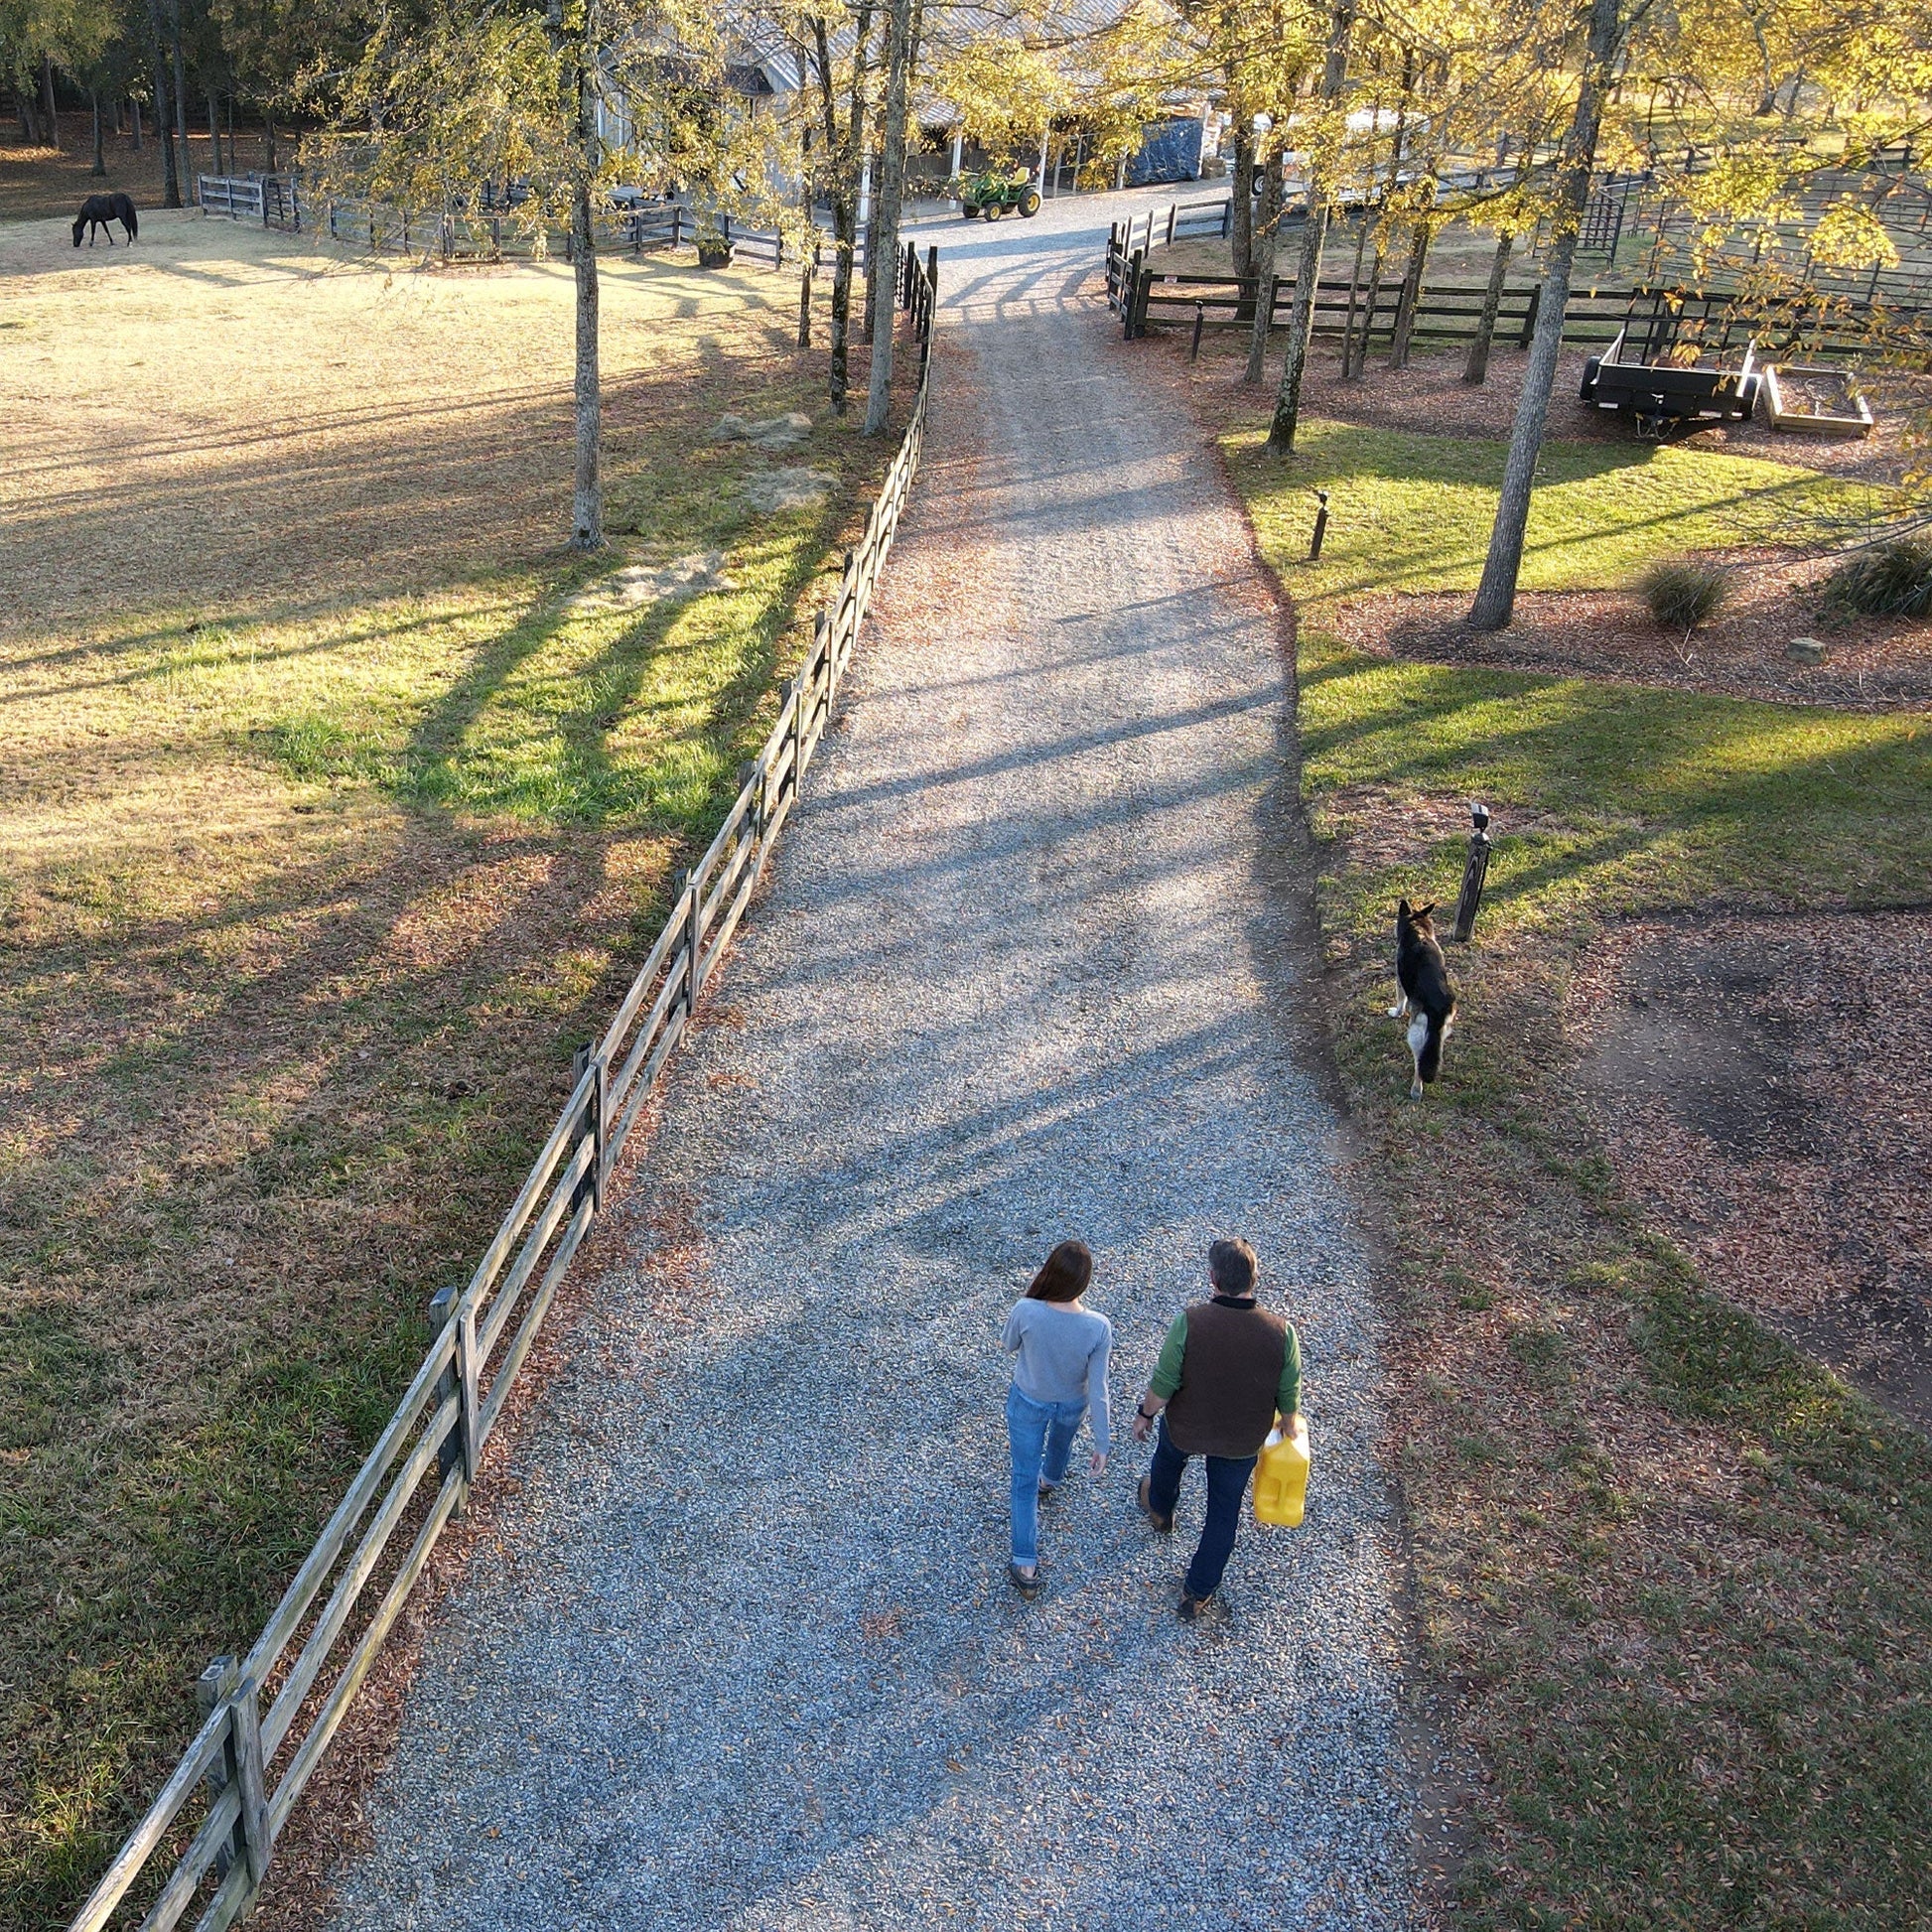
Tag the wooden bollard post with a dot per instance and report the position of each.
(1200, 316)
(1320, 526)
(1475, 870)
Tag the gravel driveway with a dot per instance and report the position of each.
(1028, 970)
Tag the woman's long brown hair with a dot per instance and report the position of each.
(1068, 1270)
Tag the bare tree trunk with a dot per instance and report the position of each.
(881, 256)
(135, 105)
(875, 200)
(1301, 315)
(1354, 288)
(1405, 316)
(52, 106)
(100, 157)
(181, 96)
(1241, 208)
(1477, 371)
(214, 133)
(1495, 598)
(843, 151)
(1266, 239)
(170, 172)
(586, 491)
(268, 139)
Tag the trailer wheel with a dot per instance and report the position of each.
(1592, 370)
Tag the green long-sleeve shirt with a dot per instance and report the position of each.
(1165, 1378)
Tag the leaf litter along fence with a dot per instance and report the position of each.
(271, 1715)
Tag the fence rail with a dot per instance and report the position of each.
(271, 199)
(1146, 297)
(271, 1715)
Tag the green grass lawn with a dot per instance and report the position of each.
(1674, 1581)
(1411, 512)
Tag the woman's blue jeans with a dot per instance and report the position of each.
(1041, 1435)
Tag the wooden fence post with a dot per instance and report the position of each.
(589, 1128)
(449, 1452)
(468, 1372)
(1173, 208)
(693, 943)
(245, 1732)
(211, 1689)
(1529, 316)
(1129, 294)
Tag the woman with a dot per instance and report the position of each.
(1060, 1377)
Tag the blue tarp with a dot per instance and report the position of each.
(1170, 150)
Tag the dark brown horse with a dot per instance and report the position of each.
(98, 210)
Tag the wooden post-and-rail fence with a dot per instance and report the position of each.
(270, 1716)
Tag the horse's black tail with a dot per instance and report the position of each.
(129, 219)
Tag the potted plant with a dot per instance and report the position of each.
(714, 245)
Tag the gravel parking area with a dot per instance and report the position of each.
(746, 1656)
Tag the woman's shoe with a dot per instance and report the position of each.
(1162, 1523)
(1047, 1489)
(1190, 1605)
(1026, 1582)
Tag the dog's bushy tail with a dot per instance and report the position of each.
(1429, 1062)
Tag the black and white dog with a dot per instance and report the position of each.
(1423, 975)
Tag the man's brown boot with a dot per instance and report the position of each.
(1162, 1523)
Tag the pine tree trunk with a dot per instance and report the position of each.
(1354, 290)
(101, 156)
(170, 172)
(587, 493)
(1301, 315)
(51, 107)
(843, 151)
(1266, 242)
(1477, 371)
(882, 257)
(30, 124)
(873, 200)
(181, 96)
(1495, 598)
(1241, 211)
(214, 133)
(1404, 317)
(135, 106)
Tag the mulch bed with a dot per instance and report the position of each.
(1759, 1084)
(1872, 664)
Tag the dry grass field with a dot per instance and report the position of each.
(329, 824)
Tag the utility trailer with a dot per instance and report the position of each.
(1663, 370)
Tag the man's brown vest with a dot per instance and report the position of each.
(1229, 1378)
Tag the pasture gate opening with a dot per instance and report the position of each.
(271, 1715)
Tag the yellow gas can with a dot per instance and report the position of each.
(1282, 1477)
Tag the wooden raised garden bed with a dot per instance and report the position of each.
(1815, 401)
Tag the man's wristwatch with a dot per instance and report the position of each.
(1143, 1414)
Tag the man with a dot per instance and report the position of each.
(1227, 1369)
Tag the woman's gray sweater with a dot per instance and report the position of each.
(1063, 1354)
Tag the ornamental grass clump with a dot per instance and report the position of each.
(1893, 580)
(1682, 595)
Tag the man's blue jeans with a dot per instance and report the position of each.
(1041, 1435)
(1227, 1484)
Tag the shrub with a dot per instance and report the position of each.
(1895, 580)
(1683, 595)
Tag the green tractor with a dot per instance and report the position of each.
(995, 190)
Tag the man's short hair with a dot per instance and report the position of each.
(1231, 1267)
